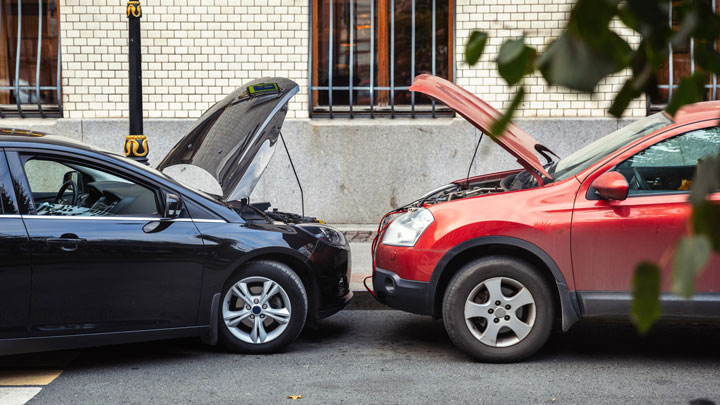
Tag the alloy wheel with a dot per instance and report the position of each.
(500, 312)
(256, 310)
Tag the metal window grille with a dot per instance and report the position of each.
(674, 74)
(351, 109)
(31, 100)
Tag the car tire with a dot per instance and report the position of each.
(274, 311)
(498, 333)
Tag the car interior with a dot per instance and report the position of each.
(670, 165)
(70, 189)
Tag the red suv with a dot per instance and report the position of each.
(500, 257)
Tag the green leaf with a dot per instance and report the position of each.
(628, 18)
(646, 296)
(690, 90)
(706, 222)
(569, 61)
(475, 47)
(515, 60)
(706, 181)
(707, 58)
(498, 127)
(688, 25)
(691, 256)
(626, 94)
(708, 27)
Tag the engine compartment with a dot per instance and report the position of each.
(519, 180)
(261, 212)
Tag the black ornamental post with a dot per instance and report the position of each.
(136, 144)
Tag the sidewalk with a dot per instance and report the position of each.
(360, 237)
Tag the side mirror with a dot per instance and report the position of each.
(611, 186)
(173, 205)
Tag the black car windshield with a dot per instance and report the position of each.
(158, 173)
(587, 156)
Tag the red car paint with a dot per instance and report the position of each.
(595, 243)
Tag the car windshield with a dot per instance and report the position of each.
(592, 153)
(158, 173)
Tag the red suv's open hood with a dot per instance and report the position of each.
(516, 141)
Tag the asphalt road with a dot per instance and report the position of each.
(379, 356)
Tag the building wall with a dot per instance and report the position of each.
(540, 21)
(196, 52)
(352, 170)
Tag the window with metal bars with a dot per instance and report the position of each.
(365, 54)
(30, 58)
(681, 63)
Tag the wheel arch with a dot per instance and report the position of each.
(290, 258)
(461, 254)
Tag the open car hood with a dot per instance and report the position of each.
(235, 139)
(479, 113)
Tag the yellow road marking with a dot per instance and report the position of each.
(28, 377)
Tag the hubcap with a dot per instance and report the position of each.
(500, 312)
(256, 310)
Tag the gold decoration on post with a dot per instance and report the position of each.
(133, 8)
(136, 146)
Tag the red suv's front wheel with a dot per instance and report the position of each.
(498, 309)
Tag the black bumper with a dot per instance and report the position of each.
(407, 295)
(331, 269)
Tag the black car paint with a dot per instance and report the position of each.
(227, 137)
(15, 264)
(194, 254)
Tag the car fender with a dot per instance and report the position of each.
(568, 300)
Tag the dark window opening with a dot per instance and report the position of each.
(365, 54)
(30, 58)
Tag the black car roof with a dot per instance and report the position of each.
(18, 135)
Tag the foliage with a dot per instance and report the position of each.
(646, 289)
(587, 51)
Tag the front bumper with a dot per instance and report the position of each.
(406, 295)
(332, 271)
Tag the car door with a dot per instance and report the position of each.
(104, 260)
(14, 261)
(609, 238)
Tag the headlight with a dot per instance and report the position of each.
(327, 234)
(406, 229)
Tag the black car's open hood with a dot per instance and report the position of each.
(235, 139)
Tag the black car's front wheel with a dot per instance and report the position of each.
(263, 308)
(498, 309)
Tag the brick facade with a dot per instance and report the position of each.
(196, 52)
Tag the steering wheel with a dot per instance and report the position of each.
(60, 197)
(639, 180)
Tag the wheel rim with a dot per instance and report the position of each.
(256, 310)
(500, 312)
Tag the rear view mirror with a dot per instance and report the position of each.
(611, 186)
(173, 205)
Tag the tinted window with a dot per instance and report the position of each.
(71, 189)
(670, 165)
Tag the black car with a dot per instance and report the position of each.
(98, 249)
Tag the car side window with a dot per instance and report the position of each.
(670, 165)
(68, 188)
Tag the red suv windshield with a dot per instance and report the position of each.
(593, 152)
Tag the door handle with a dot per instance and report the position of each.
(66, 244)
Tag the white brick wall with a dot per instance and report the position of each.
(196, 52)
(540, 21)
(193, 53)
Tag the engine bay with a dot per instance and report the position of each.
(518, 180)
(261, 212)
